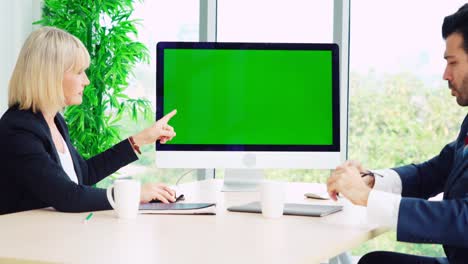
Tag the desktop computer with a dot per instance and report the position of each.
(249, 106)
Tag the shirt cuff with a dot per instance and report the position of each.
(389, 182)
(383, 208)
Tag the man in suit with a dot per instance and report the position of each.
(398, 197)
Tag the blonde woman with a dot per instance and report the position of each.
(40, 167)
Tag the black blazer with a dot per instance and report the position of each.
(437, 222)
(31, 174)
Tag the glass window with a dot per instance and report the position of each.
(400, 108)
(159, 21)
(275, 21)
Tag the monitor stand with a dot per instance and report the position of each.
(242, 180)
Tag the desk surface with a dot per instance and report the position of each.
(228, 237)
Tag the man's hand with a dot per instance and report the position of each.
(346, 180)
(368, 179)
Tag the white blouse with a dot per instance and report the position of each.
(67, 162)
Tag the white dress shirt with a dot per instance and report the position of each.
(384, 200)
(67, 162)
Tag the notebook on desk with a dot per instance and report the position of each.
(178, 208)
(291, 209)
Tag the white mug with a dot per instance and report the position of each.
(272, 196)
(126, 200)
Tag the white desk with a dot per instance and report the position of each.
(227, 237)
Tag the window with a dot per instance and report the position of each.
(275, 21)
(160, 21)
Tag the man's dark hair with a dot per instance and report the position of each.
(457, 23)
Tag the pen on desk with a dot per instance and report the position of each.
(88, 218)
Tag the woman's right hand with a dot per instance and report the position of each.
(156, 191)
(160, 130)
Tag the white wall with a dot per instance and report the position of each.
(16, 19)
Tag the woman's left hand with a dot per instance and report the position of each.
(160, 130)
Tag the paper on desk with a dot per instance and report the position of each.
(178, 208)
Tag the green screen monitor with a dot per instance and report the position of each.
(249, 105)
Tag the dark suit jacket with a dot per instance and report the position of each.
(31, 174)
(439, 222)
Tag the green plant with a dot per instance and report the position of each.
(105, 28)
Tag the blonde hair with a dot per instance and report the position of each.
(36, 82)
